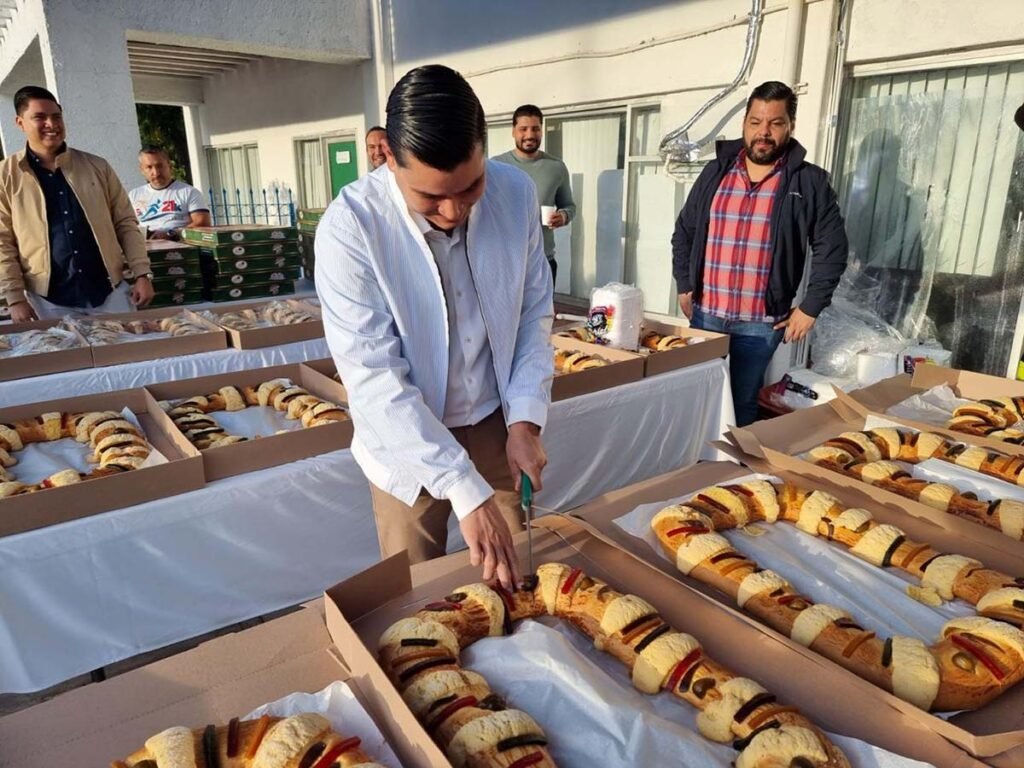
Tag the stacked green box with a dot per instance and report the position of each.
(177, 273)
(309, 220)
(246, 261)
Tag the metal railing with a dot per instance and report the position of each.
(274, 206)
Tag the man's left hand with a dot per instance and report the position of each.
(142, 292)
(797, 326)
(558, 219)
(525, 452)
(161, 234)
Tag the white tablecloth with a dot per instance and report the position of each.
(91, 380)
(90, 592)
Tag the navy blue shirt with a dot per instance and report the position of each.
(78, 277)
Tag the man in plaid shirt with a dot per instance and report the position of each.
(740, 243)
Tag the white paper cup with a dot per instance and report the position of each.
(546, 212)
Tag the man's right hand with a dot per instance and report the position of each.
(686, 304)
(22, 312)
(490, 544)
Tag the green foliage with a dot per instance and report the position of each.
(164, 125)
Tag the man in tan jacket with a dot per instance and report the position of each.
(67, 228)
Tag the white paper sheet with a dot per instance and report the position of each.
(255, 421)
(37, 461)
(825, 572)
(593, 716)
(338, 704)
(22, 343)
(934, 406)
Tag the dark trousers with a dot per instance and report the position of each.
(554, 269)
(751, 346)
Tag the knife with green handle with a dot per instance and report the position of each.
(526, 504)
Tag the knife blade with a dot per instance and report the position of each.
(526, 504)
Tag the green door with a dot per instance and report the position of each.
(341, 160)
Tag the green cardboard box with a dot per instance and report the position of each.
(189, 268)
(251, 250)
(310, 214)
(251, 278)
(256, 291)
(167, 252)
(238, 233)
(174, 298)
(214, 266)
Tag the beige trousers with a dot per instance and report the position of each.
(422, 529)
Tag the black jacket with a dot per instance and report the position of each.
(805, 211)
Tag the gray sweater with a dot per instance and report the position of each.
(552, 180)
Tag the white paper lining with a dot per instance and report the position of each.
(338, 704)
(826, 573)
(37, 461)
(255, 421)
(934, 406)
(593, 715)
(22, 343)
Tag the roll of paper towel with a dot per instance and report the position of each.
(616, 312)
(875, 366)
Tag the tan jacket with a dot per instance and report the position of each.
(25, 236)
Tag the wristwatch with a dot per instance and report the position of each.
(148, 275)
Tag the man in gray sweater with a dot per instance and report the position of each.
(548, 173)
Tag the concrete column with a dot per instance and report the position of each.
(87, 68)
(10, 135)
(196, 153)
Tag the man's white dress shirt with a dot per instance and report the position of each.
(388, 323)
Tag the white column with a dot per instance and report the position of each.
(87, 68)
(10, 135)
(196, 154)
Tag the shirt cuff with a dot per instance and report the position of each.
(528, 409)
(468, 493)
(15, 297)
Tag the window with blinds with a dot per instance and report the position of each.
(931, 181)
(234, 168)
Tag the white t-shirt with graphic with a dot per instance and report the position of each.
(167, 208)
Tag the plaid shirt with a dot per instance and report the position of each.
(738, 255)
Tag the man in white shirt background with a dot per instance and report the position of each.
(437, 309)
(166, 205)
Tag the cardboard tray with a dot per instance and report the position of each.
(974, 386)
(157, 349)
(714, 345)
(183, 472)
(779, 442)
(220, 679)
(279, 334)
(42, 363)
(361, 608)
(994, 733)
(270, 451)
(625, 367)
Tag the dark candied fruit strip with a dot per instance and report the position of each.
(211, 755)
(650, 637)
(232, 749)
(689, 660)
(438, 607)
(571, 580)
(740, 744)
(415, 669)
(424, 642)
(896, 544)
(529, 582)
(636, 623)
(509, 604)
(844, 622)
(928, 562)
(887, 652)
(492, 703)
(312, 754)
(712, 503)
(751, 704)
(702, 686)
(444, 700)
(1019, 604)
(729, 554)
(695, 528)
(338, 749)
(257, 736)
(146, 764)
(451, 709)
(525, 740)
(455, 597)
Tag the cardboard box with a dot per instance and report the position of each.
(255, 291)
(361, 608)
(312, 215)
(274, 335)
(234, 265)
(156, 349)
(248, 278)
(223, 678)
(187, 268)
(624, 367)
(238, 233)
(164, 285)
(714, 345)
(270, 451)
(180, 474)
(42, 363)
(176, 298)
(163, 252)
(994, 733)
(252, 250)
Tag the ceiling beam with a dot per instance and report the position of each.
(216, 68)
(181, 50)
(140, 56)
(161, 73)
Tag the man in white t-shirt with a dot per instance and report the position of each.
(165, 205)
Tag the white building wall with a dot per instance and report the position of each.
(273, 102)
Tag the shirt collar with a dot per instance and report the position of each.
(32, 156)
(741, 161)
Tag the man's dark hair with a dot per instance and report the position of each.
(773, 90)
(376, 128)
(527, 110)
(434, 115)
(26, 93)
(154, 149)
